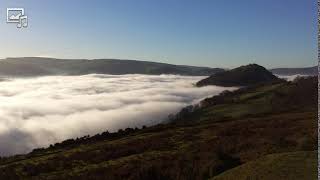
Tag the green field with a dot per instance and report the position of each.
(293, 166)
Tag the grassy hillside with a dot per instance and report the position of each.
(201, 142)
(293, 166)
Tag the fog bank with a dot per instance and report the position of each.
(36, 112)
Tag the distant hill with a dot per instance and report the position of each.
(293, 71)
(34, 66)
(242, 76)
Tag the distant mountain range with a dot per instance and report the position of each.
(242, 76)
(38, 66)
(33, 66)
(292, 71)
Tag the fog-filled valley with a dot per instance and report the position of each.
(159, 90)
(36, 112)
(138, 126)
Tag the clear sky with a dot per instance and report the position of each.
(215, 33)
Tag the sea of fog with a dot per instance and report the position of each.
(36, 112)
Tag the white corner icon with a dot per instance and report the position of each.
(17, 15)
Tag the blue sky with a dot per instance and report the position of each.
(216, 33)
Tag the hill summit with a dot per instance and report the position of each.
(242, 76)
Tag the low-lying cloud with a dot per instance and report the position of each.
(36, 112)
(291, 77)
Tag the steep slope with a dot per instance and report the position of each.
(222, 133)
(31, 66)
(242, 76)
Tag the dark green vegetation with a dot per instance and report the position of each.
(263, 126)
(242, 76)
(312, 71)
(32, 66)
